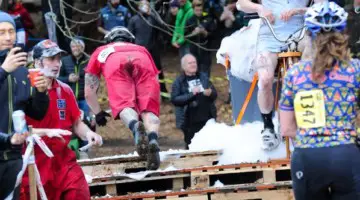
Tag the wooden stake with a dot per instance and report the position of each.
(247, 100)
(32, 176)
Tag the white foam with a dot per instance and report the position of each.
(218, 184)
(240, 143)
(88, 178)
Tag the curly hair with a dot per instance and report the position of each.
(331, 47)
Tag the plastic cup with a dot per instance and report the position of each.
(33, 73)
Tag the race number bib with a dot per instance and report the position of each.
(310, 109)
(104, 54)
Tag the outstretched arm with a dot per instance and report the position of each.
(92, 83)
(85, 133)
(249, 7)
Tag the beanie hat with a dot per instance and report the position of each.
(4, 17)
(174, 3)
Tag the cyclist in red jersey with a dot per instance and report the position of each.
(133, 89)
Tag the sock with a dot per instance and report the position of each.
(152, 136)
(267, 118)
(132, 126)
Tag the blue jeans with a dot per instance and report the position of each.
(315, 170)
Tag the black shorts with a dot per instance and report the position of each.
(326, 173)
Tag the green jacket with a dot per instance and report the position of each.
(182, 16)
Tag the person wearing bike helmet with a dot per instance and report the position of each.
(133, 89)
(286, 18)
(318, 110)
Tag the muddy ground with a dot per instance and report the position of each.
(119, 140)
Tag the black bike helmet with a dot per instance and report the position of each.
(119, 33)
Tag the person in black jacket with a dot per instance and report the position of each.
(72, 72)
(16, 94)
(194, 97)
(142, 27)
(199, 28)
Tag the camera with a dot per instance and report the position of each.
(22, 47)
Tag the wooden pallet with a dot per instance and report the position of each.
(195, 178)
(101, 167)
(276, 191)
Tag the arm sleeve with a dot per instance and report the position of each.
(287, 94)
(37, 105)
(3, 76)
(181, 38)
(177, 27)
(179, 99)
(94, 66)
(5, 139)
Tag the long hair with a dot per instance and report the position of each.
(331, 47)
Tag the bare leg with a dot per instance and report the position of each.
(131, 119)
(128, 116)
(266, 64)
(152, 123)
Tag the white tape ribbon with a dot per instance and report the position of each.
(30, 159)
(86, 147)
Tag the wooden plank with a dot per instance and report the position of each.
(269, 175)
(111, 190)
(200, 181)
(121, 158)
(114, 181)
(110, 169)
(236, 170)
(189, 161)
(178, 183)
(241, 188)
(202, 197)
(284, 194)
(122, 165)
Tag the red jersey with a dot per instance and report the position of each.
(131, 77)
(62, 113)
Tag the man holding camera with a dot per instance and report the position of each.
(17, 94)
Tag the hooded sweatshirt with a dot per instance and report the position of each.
(182, 16)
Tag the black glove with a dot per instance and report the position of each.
(100, 118)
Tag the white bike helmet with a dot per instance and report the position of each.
(326, 16)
